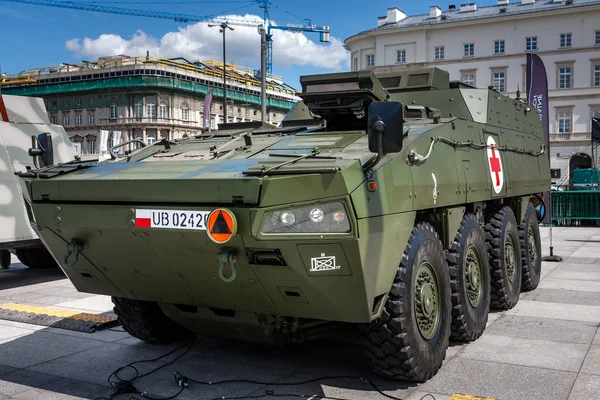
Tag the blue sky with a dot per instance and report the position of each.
(37, 36)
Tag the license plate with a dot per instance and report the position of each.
(172, 219)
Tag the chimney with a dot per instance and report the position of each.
(434, 12)
(395, 15)
(527, 2)
(503, 2)
(452, 7)
(381, 21)
(468, 7)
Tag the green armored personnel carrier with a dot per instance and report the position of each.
(398, 204)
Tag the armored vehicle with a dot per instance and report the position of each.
(22, 118)
(398, 204)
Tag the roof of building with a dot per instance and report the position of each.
(482, 12)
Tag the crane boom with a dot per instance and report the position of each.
(185, 18)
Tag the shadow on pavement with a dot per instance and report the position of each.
(19, 275)
(51, 364)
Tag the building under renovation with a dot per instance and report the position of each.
(147, 98)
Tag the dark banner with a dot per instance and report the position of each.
(537, 96)
(596, 128)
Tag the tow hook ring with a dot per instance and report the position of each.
(227, 256)
(73, 250)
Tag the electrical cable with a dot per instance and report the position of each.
(287, 12)
(170, 2)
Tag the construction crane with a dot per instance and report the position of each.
(264, 28)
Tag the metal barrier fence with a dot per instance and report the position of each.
(576, 207)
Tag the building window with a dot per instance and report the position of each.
(66, 120)
(151, 110)
(53, 120)
(78, 102)
(565, 40)
(469, 49)
(66, 103)
(91, 101)
(596, 77)
(439, 52)
(499, 47)
(499, 81)
(564, 77)
(91, 118)
(151, 139)
(564, 118)
(139, 107)
(77, 119)
(92, 147)
(370, 60)
(355, 63)
(162, 111)
(212, 123)
(597, 39)
(113, 111)
(531, 44)
(185, 112)
(400, 56)
(468, 78)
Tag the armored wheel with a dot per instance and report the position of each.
(409, 340)
(146, 321)
(469, 279)
(502, 237)
(37, 258)
(531, 245)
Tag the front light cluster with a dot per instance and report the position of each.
(320, 218)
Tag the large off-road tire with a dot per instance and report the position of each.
(504, 247)
(146, 321)
(409, 340)
(531, 246)
(469, 270)
(36, 258)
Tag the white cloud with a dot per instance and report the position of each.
(200, 42)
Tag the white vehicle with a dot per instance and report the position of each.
(25, 129)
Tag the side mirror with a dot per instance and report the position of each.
(42, 147)
(385, 127)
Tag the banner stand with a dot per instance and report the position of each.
(537, 96)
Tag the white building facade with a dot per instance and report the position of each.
(487, 46)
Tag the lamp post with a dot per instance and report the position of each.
(224, 26)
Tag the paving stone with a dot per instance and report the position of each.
(500, 381)
(580, 258)
(544, 328)
(7, 332)
(597, 337)
(569, 284)
(529, 352)
(6, 369)
(66, 389)
(562, 296)
(97, 303)
(578, 267)
(576, 275)
(36, 348)
(591, 364)
(22, 380)
(586, 387)
(418, 395)
(568, 312)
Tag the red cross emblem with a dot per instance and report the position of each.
(495, 164)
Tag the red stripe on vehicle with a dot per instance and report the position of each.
(143, 222)
(3, 113)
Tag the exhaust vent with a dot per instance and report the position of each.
(468, 7)
(435, 12)
(395, 15)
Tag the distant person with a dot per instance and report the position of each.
(3, 77)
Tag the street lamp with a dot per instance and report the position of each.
(223, 26)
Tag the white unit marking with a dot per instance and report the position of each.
(172, 219)
(323, 263)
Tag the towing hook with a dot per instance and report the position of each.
(227, 256)
(73, 250)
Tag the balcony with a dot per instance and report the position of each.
(573, 136)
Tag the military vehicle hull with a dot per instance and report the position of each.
(20, 119)
(410, 231)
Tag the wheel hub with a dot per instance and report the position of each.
(473, 276)
(532, 248)
(426, 297)
(509, 257)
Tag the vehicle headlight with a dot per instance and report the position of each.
(319, 218)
